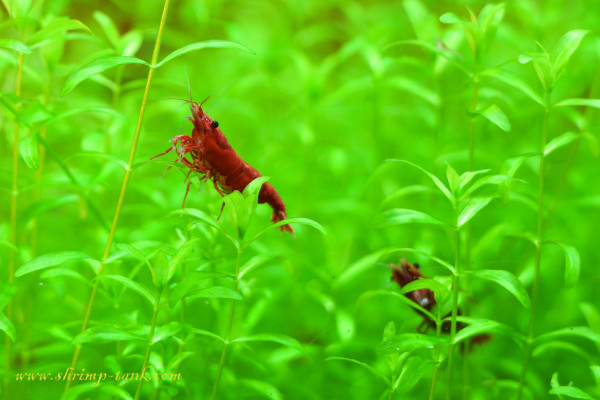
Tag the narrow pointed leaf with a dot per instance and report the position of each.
(97, 67)
(594, 103)
(471, 209)
(264, 388)
(572, 263)
(496, 116)
(50, 260)
(28, 147)
(477, 326)
(559, 141)
(400, 216)
(507, 280)
(407, 342)
(434, 179)
(271, 337)
(515, 81)
(374, 371)
(574, 331)
(106, 334)
(217, 292)
(209, 44)
(450, 18)
(136, 287)
(254, 263)
(565, 48)
(15, 45)
(7, 327)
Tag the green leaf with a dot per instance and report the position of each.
(271, 337)
(434, 178)
(303, 221)
(592, 143)
(209, 44)
(51, 273)
(136, 287)
(450, 18)
(203, 332)
(166, 331)
(217, 292)
(7, 327)
(468, 176)
(565, 48)
(439, 289)
(471, 208)
(574, 331)
(373, 293)
(594, 103)
(452, 56)
(412, 371)
(202, 216)
(254, 263)
(559, 142)
(262, 387)
(109, 28)
(28, 147)
(106, 334)
(453, 179)
(507, 280)
(408, 342)
(187, 286)
(568, 391)
(596, 372)
(401, 216)
(374, 371)
(181, 254)
(115, 391)
(50, 260)
(572, 263)
(15, 45)
(515, 81)
(55, 30)
(496, 116)
(97, 67)
(479, 325)
(345, 325)
(360, 266)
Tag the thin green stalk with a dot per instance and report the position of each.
(148, 348)
(136, 137)
(454, 307)
(472, 122)
(436, 369)
(538, 253)
(467, 264)
(229, 325)
(13, 225)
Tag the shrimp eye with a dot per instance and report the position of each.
(214, 124)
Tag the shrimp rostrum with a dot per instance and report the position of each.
(212, 155)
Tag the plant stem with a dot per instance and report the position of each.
(13, 225)
(229, 325)
(454, 306)
(148, 348)
(436, 369)
(538, 253)
(136, 137)
(472, 122)
(467, 264)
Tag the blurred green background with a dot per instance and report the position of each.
(328, 93)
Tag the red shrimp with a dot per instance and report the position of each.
(213, 156)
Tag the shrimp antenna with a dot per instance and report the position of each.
(187, 77)
(171, 98)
